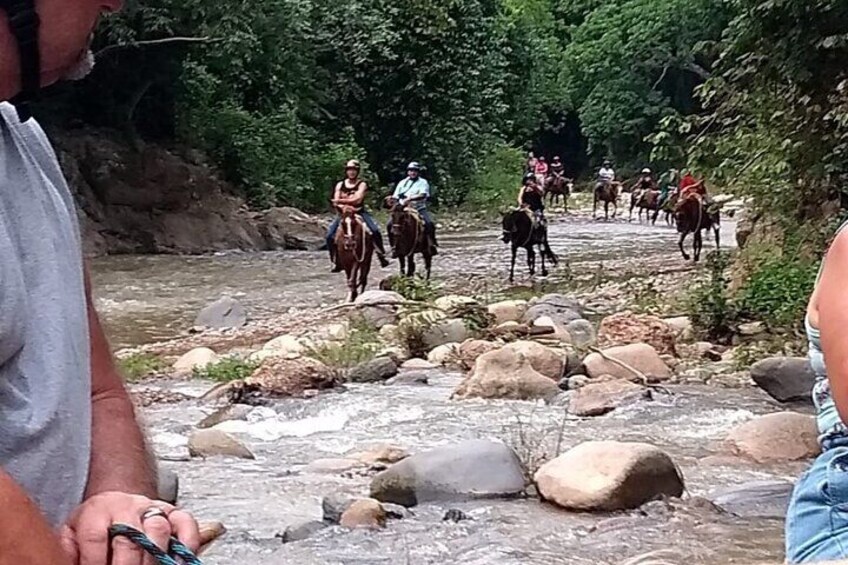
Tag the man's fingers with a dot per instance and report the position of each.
(125, 551)
(158, 529)
(67, 539)
(93, 538)
(186, 529)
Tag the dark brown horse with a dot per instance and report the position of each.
(646, 201)
(519, 231)
(557, 187)
(606, 192)
(354, 249)
(408, 237)
(692, 217)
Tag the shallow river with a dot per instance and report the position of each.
(148, 298)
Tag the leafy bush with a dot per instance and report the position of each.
(708, 303)
(226, 370)
(495, 184)
(413, 288)
(140, 365)
(361, 344)
(777, 291)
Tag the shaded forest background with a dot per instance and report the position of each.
(751, 93)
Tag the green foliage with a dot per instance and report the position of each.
(777, 291)
(140, 365)
(414, 288)
(360, 345)
(226, 370)
(708, 304)
(495, 184)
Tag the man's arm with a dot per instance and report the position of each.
(120, 460)
(833, 319)
(357, 198)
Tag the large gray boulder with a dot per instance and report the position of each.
(226, 312)
(786, 379)
(379, 307)
(168, 488)
(471, 469)
(374, 371)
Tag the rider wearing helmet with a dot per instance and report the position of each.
(606, 175)
(74, 460)
(541, 170)
(645, 181)
(350, 192)
(415, 191)
(531, 196)
(557, 168)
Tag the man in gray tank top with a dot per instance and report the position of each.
(73, 458)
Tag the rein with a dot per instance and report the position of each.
(175, 548)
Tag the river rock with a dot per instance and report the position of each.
(471, 469)
(783, 436)
(453, 330)
(608, 475)
(596, 399)
(626, 327)
(560, 332)
(582, 333)
(444, 354)
(333, 466)
(285, 346)
(168, 488)
(376, 370)
(389, 333)
(379, 307)
(543, 359)
(506, 373)
(474, 348)
(364, 513)
(278, 376)
(334, 505)
(300, 532)
(418, 365)
(224, 313)
(410, 378)
(785, 379)
(574, 382)
(640, 356)
(453, 302)
(682, 327)
(225, 414)
(385, 454)
(508, 311)
(198, 358)
(296, 229)
(209, 443)
(752, 329)
(757, 499)
(561, 316)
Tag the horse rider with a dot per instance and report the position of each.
(606, 174)
(557, 168)
(414, 191)
(350, 192)
(668, 186)
(690, 185)
(530, 166)
(531, 196)
(645, 182)
(541, 171)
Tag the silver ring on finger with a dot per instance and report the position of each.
(153, 512)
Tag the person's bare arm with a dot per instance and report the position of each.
(357, 198)
(25, 535)
(120, 460)
(833, 319)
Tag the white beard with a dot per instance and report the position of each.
(81, 68)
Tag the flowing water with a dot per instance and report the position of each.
(150, 298)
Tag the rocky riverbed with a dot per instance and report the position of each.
(492, 425)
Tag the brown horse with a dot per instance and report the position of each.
(693, 217)
(646, 201)
(408, 237)
(521, 231)
(354, 249)
(558, 187)
(606, 192)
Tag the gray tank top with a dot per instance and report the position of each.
(45, 383)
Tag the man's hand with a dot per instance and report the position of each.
(85, 537)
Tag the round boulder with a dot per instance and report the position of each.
(292, 377)
(625, 328)
(506, 373)
(376, 370)
(285, 346)
(198, 358)
(786, 379)
(596, 399)
(444, 354)
(224, 313)
(639, 356)
(543, 359)
(607, 476)
(364, 513)
(211, 443)
(473, 349)
(508, 311)
(582, 333)
(439, 333)
(379, 307)
(783, 436)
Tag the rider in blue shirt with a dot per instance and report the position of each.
(415, 191)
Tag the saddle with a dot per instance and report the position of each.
(418, 219)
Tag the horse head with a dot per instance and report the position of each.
(350, 229)
(509, 226)
(399, 218)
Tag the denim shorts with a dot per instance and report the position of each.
(817, 518)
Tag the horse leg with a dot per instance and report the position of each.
(402, 264)
(531, 260)
(717, 230)
(411, 262)
(680, 245)
(698, 244)
(512, 264)
(542, 255)
(351, 283)
(595, 208)
(428, 264)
